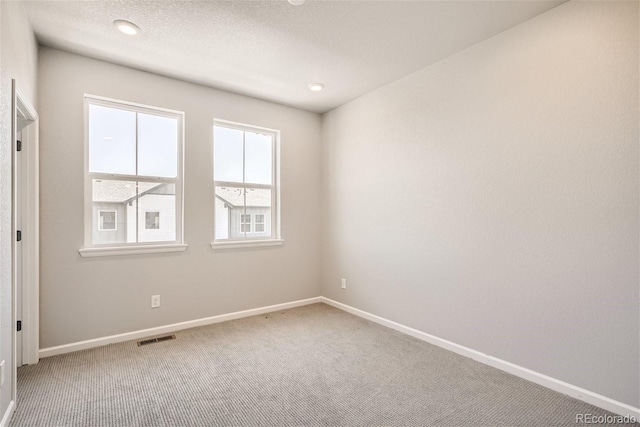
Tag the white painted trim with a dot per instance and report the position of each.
(243, 126)
(133, 106)
(31, 240)
(24, 181)
(246, 244)
(89, 176)
(82, 345)
(8, 414)
(519, 371)
(12, 367)
(131, 250)
(274, 186)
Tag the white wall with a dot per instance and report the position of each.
(85, 298)
(491, 199)
(18, 59)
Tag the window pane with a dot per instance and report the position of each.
(160, 199)
(157, 146)
(131, 203)
(112, 140)
(221, 218)
(227, 154)
(110, 196)
(229, 208)
(232, 197)
(258, 204)
(258, 155)
(235, 221)
(243, 158)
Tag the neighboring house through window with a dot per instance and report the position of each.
(245, 175)
(133, 174)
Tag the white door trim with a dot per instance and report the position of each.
(29, 188)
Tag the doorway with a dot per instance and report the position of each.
(25, 227)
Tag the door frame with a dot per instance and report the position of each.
(30, 244)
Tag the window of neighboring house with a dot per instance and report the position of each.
(245, 171)
(107, 220)
(259, 223)
(245, 223)
(152, 220)
(133, 167)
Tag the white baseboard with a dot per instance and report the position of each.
(519, 371)
(98, 342)
(7, 414)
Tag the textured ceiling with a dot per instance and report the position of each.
(272, 49)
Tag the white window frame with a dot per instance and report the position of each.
(90, 249)
(276, 237)
(100, 223)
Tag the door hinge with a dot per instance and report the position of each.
(19, 235)
(19, 328)
(19, 145)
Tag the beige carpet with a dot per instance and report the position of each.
(313, 365)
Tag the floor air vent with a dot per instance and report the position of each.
(157, 339)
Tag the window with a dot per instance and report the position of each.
(245, 171)
(133, 176)
(152, 220)
(107, 220)
(245, 223)
(259, 223)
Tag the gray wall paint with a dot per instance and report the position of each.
(492, 199)
(18, 59)
(85, 298)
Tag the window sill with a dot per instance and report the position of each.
(237, 244)
(132, 250)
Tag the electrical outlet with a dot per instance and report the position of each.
(344, 283)
(155, 301)
(1, 373)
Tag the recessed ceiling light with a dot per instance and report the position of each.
(297, 2)
(126, 27)
(316, 87)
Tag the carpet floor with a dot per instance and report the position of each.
(313, 365)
